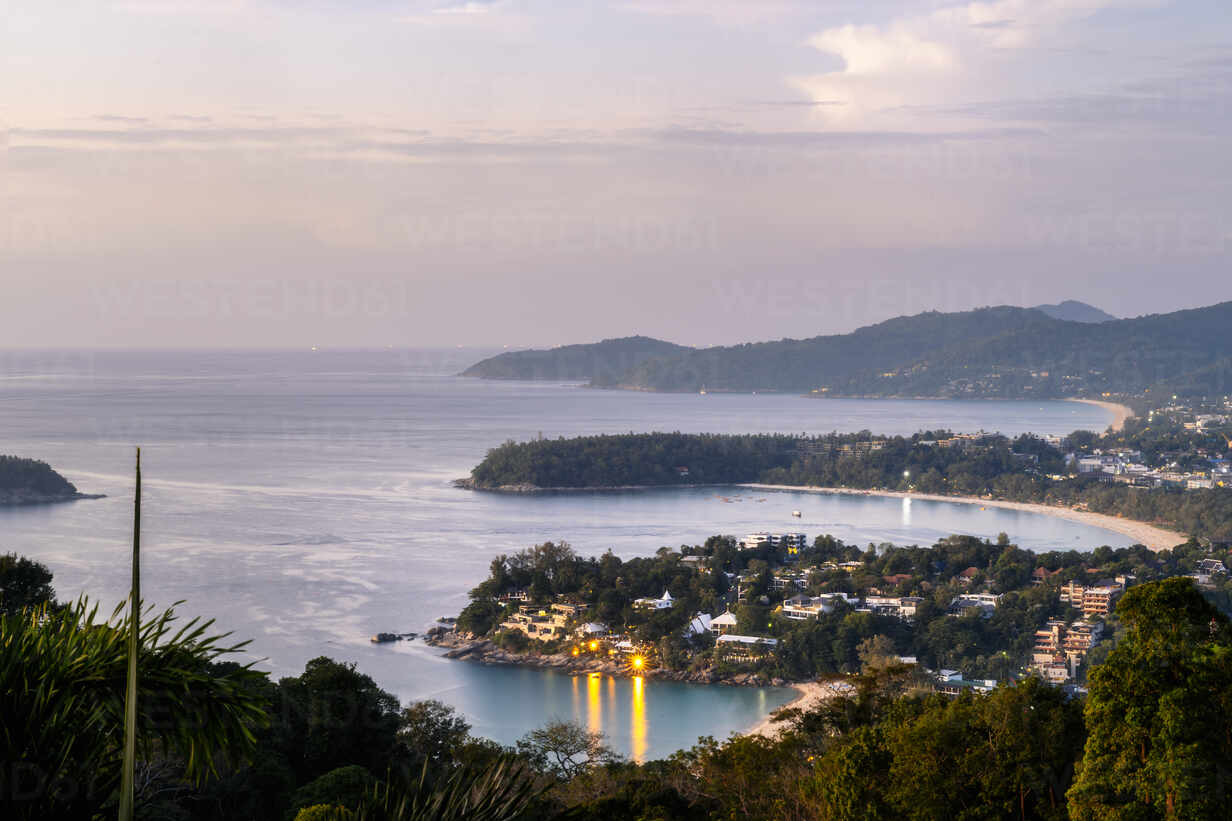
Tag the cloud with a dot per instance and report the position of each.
(956, 52)
(724, 12)
(469, 7)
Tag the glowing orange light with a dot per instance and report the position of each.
(639, 662)
(575, 651)
(594, 645)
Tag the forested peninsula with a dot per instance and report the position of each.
(31, 482)
(1003, 352)
(1023, 469)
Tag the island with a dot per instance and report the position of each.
(31, 482)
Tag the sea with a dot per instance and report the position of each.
(304, 500)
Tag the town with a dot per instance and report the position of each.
(772, 608)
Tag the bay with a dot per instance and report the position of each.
(303, 499)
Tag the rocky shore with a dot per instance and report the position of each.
(21, 496)
(470, 484)
(469, 648)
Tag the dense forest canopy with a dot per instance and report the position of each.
(32, 476)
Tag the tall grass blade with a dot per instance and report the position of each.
(127, 776)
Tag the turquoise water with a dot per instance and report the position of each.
(305, 502)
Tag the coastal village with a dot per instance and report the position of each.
(778, 599)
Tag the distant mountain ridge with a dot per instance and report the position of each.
(1071, 310)
(1002, 352)
(996, 352)
(600, 362)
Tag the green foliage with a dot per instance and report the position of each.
(345, 787)
(332, 715)
(29, 476)
(24, 583)
(1160, 736)
(432, 732)
(63, 679)
(565, 750)
(322, 812)
(633, 459)
(501, 791)
(480, 617)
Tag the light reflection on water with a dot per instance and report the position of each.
(638, 729)
(603, 711)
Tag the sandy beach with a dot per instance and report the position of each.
(1156, 538)
(1119, 412)
(808, 695)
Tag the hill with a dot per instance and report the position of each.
(601, 362)
(1001, 352)
(1072, 310)
(28, 481)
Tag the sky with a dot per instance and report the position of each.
(269, 173)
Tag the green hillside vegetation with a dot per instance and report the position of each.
(992, 352)
(222, 741)
(602, 362)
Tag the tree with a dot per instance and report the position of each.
(23, 583)
(565, 749)
(1160, 730)
(431, 731)
(850, 780)
(876, 652)
(345, 786)
(333, 715)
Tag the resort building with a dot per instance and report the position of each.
(745, 648)
(763, 538)
(952, 683)
(723, 624)
(802, 608)
(985, 602)
(699, 625)
(664, 602)
(1099, 601)
(544, 623)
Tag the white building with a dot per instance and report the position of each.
(723, 624)
(664, 602)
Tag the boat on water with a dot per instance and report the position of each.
(796, 513)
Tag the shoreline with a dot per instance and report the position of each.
(23, 498)
(1155, 537)
(809, 694)
(1152, 536)
(1120, 413)
(484, 651)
